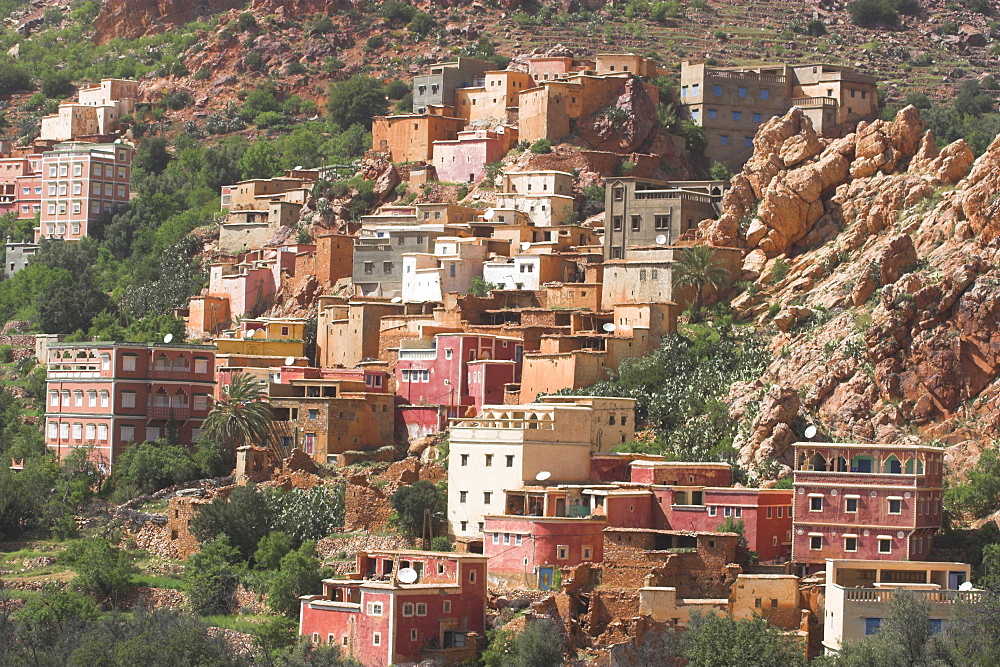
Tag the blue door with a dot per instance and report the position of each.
(955, 579)
(545, 578)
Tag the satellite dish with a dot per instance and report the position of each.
(289, 361)
(609, 326)
(488, 214)
(168, 338)
(661, 239)
(250, 334)
(965, 586)
(396, 299)
(525, 245)
(543, 475)
(407, 575)
(810, 432)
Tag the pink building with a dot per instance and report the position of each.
(109, 395)
(486, 380)
(402, 606)
(870, 502)
(435, 371)
(80, 181)
(21, 186)
(464, 160)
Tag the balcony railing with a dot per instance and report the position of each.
(171, 373)
(886, 595)
(745, 76)
(164, 412)
(672, 194)
(814, 101)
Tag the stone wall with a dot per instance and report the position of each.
(608, 606)
(706, 571)
(368, 495)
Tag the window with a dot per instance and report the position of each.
(496, 538)
(64, 431)
(91, 432)
(91, 399)
(446, 607)
(758, 602)
(78, 398)
(128, 399)
(815, 542)
(487, 496)
(374, 608)
(696, 89)
(517, 540)
(201, 401)
(104, 398)
(53, 430)
(738, 512)
(851, 504)
(727, 511)
(717, 91)
(850, 544)
(53, 398)
(895, 506)
(737, 115)
(128, 362)
(562, 552)
(765, 93)
(465, 459)
(713, 510)
(387, 267)
(464, 525)
(377, 639)
(815, 503)
(742, 92)
(588, 553)
(463, 496)
(694, 115)
(712, 113)
(636, 223)
(885, 545)
(472, 576)
(684, 91)
(748, 141)
(780, 512)
(757, 118)
(102, 432)
(421, 609)
(872, 625)
(724, 140)
(128, 433)
(369, 268)
(510, 460)
(935, 625)
(616, 223)
(448, 354)
(489, 460)
(769, 512)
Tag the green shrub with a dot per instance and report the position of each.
(211, 577)
(872, 13)
(442, 543)
(57, 85)
(374, 42)
(268, 119)
(780, 270)
(421, 24)
(13, 78)
(541, 146)
(397, 12)
(6, 354)
(815, 28)
(721, 35)
(245, 22)
(202, 74)
(295, 67)
(254, 60)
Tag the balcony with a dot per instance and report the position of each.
(170, 373)
(166, 412)
(885, 595)
(745, 76)
(807, 102)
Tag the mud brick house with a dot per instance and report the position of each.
(411, 137)
(109, 395)
(646, 275)
(507, 446)
(858, 594)
(437, 87)
(81, 182)
(379, 620)
(732, 102)
(697, 564)
(643, 212)
(347, 330)
(495, 100)
(865, 501)
(449, 266)
(95, 115)
(326, 412)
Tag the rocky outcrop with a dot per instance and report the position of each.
(980, 199)
(130, 19)
(625, 125)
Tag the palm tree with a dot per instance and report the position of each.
(697, 267)
(242, 415)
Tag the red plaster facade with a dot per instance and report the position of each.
(861, 501)
(381, 621)
(109, 395)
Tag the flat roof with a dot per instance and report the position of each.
(865, 445)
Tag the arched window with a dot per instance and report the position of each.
(892, 466)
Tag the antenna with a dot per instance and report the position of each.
(168, 338)
(407, 575)
(810, 432)
(543, 476)
(661, 239)
(396, 299)
(289, 361)
(609, 326)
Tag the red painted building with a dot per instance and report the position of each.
(436, 372)
(21, 186)
(379, 620)
(862, 501)
(109, 395)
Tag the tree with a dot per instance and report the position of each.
(13, 78)
(872, 13)
(271, 549)
(410, 503)
(261, 160)
(210, 577)
(979, 495)
(304, 654)
(972, 636)
(57, 84)
(299, 575)
(69, 303)
(244, 517)
(538, 645)
(241, 416)
(696, 267)
(541, 146)
(903, 638)
(101, 569)
(421, 24)
(725, 641)
(480, 287)
(357, 100)
(152, 466)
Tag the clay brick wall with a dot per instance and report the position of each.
(608, 606)
(705, 572)
(180, 512)
(368, 495)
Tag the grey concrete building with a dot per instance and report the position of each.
(438, 86)
(378, 255)
(18, 255)
(643, 212)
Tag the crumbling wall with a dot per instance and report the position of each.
(609, 607)
(703, 572)
(180, 541)
(368, 496)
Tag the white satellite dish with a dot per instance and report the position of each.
(407, 575)
(488, 214)
(661, 239)
(396, 299)
(543, 475)
(609, 326)
(525, 245)
(810, 432)
(289, 361)
(168, 338)
(965, 586)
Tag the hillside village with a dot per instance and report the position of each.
(528, 235)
